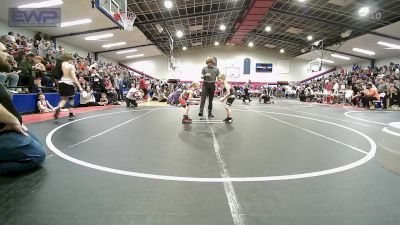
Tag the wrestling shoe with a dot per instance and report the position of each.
(57, 113)
(210, 114)
(228, 120)
(200, 113)
(186, 120)
(71, 117)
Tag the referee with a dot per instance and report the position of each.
(209, 76)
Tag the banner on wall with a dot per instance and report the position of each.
(246, 66)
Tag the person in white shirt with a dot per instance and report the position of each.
(132, 96)
(348, 94)
(86, 97)
(43, 105)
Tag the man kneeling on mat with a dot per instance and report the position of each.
(265, 97)
(186, 99)
(229, 97)
(19, 149)
(132, 96)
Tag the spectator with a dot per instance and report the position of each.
(103, 99)
(19, 149)
(42, 49)
(111, 93)
(11, 77)
(143, 87)
(26, 78)
(87, 98)
(370, 94)
(43, 105)
(393, 97)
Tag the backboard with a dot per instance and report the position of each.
(110, 7)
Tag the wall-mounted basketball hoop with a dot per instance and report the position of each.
(127, 19)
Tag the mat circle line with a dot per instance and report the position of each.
(352, 165)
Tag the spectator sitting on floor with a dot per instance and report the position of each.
(43, 105)
(103, 99)
(20, 150)
(87, 98)
(132, 96)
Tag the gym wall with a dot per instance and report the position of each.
(190, 63)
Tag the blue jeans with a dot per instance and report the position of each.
(19, 153)
(12, 79)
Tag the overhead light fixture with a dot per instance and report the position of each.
(76, 22)
(222, 27)
(134, 56)
(301, 0)
(367, 52)
(179, 34)
(113, 44)
(251, 44)
(184, 48)
(159, 28)
(282, 51)
(389, 45)
(97, 37)
(126, 51)
(340, 56)
(346, 34)
(168, 4)
(216, 43)
(325, 60)
(43, 4)
(268, 28)
(363, 11)
(316, 43)
(309, 37)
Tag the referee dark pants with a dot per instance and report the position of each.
(208, 91)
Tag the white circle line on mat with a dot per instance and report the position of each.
(347, 114)
(352, 165)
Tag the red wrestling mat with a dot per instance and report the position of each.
(34, 118)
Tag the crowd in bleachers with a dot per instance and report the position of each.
(361, 87)
(34, 70)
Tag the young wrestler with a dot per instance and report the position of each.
(229, 97)
(186, 99)
(66, 86)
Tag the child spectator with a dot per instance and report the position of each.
(103, 100)
(43, 105)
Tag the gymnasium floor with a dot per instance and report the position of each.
(284, 164)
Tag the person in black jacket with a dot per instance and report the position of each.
(209, 76)
(20, 150)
